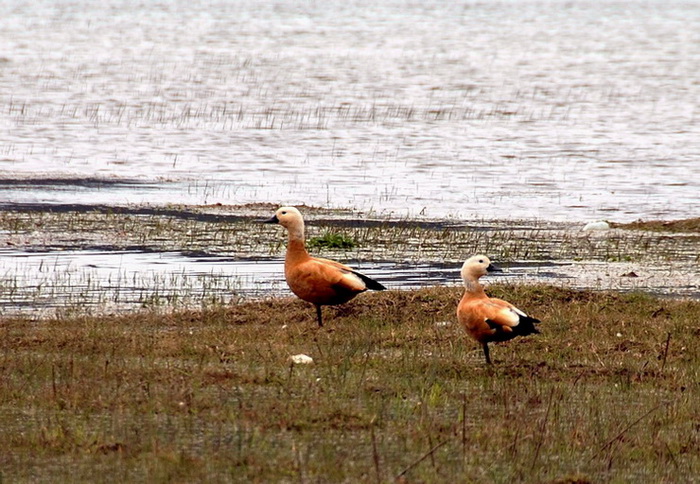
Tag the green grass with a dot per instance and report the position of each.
(331, 240)
(607, 393)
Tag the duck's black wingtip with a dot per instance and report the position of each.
(370, 283)
(530, 319)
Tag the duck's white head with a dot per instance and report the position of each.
(290, 218)
(477, 266)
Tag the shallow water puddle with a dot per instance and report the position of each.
(98, 281)
(111, 280)
(104, 280)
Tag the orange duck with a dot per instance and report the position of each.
(488, 319)
(321, 282)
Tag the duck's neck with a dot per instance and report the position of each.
(472, 288)
(296, 248)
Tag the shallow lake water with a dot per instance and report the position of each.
(557, 110)
(113, 280)
(44, 283)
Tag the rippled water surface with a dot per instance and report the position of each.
(555, 110)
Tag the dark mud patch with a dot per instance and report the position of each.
(258, 212)
(61, 183)
(691, 225)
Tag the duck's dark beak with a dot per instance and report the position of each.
(273, 220)
(493, 268)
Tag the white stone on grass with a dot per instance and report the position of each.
(301, 359)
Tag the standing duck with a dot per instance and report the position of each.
(321, 282)
(488, 319)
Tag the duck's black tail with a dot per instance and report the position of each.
(527, 326)
(369, 282)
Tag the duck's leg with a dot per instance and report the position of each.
(318, 315)
(486, 352)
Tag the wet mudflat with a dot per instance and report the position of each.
(99, 259)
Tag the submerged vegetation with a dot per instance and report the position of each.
(236, 231)
(107, 258)
(607, 393)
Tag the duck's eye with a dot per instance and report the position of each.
(284, 213)
(481, 261)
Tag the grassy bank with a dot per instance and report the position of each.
(607, 393)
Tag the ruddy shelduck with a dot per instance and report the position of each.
(321, 282)
(489, 319)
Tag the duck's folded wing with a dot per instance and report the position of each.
(506, 317)
(368, 282)
(339, 276)
(498, 316)
(516, 310)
